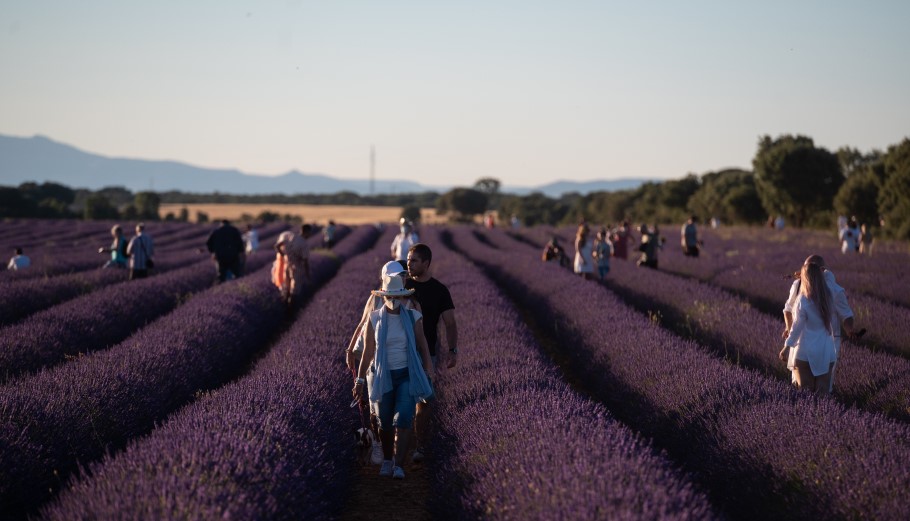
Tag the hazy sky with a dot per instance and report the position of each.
(525, 91)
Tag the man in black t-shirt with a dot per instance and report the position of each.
(435, 304)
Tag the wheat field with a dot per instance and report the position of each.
(311, 213)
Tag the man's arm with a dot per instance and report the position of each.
(448, 318)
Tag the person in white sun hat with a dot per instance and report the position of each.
(354, 351)
(396, 354)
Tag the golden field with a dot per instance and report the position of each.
(312, 213)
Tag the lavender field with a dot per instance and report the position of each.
(653, 395)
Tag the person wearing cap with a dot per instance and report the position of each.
(354, 351)
(396, 354)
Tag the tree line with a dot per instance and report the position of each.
(807, 185)
(791, 177)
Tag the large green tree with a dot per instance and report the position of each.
(462, 203)
(147, 204)
(98, 207)
(858, 197)
(894, 197)
(729, 195)
(794, 178)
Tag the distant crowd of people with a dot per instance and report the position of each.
(592, 255)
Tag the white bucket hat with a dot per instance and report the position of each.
(392, 286)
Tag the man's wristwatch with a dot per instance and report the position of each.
(453, 351)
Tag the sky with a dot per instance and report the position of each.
(528, 92)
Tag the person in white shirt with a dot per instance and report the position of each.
(849, 237)
(19, 261)
(809, 348)
(396, 353)
(251, 239)
(842, 326)
(403, 242)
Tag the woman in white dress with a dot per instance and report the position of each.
(584, 247)
(811, 340)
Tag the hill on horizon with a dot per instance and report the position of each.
(41, 159)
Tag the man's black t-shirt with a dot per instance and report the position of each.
(434, 299)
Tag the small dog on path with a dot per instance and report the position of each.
(364, 439)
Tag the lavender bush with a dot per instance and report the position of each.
(762, 448)
(275, 444)
(75, 413)
(516, 442)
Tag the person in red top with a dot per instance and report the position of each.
(620, 241)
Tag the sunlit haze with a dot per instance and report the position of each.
(525, 91)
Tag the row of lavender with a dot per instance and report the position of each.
(77, 250)
(102, 318)
(758, 271)
(733, 329)
(271, 445)
(878, 289)
(515, 442)
(23, 297)
(75, 413)
(760, 447)
(880, 274)
(730, 254)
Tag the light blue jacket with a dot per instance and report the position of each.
(382, 380)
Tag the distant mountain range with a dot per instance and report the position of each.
(40, 159)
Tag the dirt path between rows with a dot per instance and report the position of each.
(375, 497)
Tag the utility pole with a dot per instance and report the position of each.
(372, 169)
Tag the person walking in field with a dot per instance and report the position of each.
(584, 258)
(689, 238)
(396, 353)
(809, 348)
(250, 239)
(403, 241)
(19, 261)
(292, 263)
(354, 351)
(328, 235)
(849, 238)
(843, 323)
(141, 251)
(621, 237)
(602, 252)
(226, 245)
(117, 249)
(436, 304)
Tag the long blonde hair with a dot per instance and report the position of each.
(582, 233)
(812, 281)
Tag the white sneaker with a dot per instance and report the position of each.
(398, 473)
(386, 469)
(377, 456)
(418, 455)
